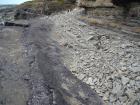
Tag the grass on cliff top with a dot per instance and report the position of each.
(35, 3)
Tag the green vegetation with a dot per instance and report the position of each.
(61, 1)
(48, 7)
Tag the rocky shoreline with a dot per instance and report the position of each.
(68, 59)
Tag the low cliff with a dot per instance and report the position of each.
(48, 6)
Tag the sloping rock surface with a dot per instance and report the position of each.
(109, 61)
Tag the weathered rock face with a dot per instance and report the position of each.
(131, 7)
(105, 3)
(135, 10)
(95, 3)
(119, 8)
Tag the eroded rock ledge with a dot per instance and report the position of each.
(119, 7)
(67, 89)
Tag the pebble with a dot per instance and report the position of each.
(81, 76)
(91, 33)
(132, 82)
(118, 102)
(130, 93)
(106, 96)
(90, 38)
(90, 81)
(138, 78)
(125, 80)
(116, 87)
(78, 36)
(1, 48)
(126, 45)
(135, 69)
(124, 68)
(137, 83)
(138, 44)
(112, 98)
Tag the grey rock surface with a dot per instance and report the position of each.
(108, 61)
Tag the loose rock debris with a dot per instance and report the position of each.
(107, 61)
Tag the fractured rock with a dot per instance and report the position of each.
(16, 24)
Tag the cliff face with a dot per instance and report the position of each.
(120, 7)
(126, 8)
